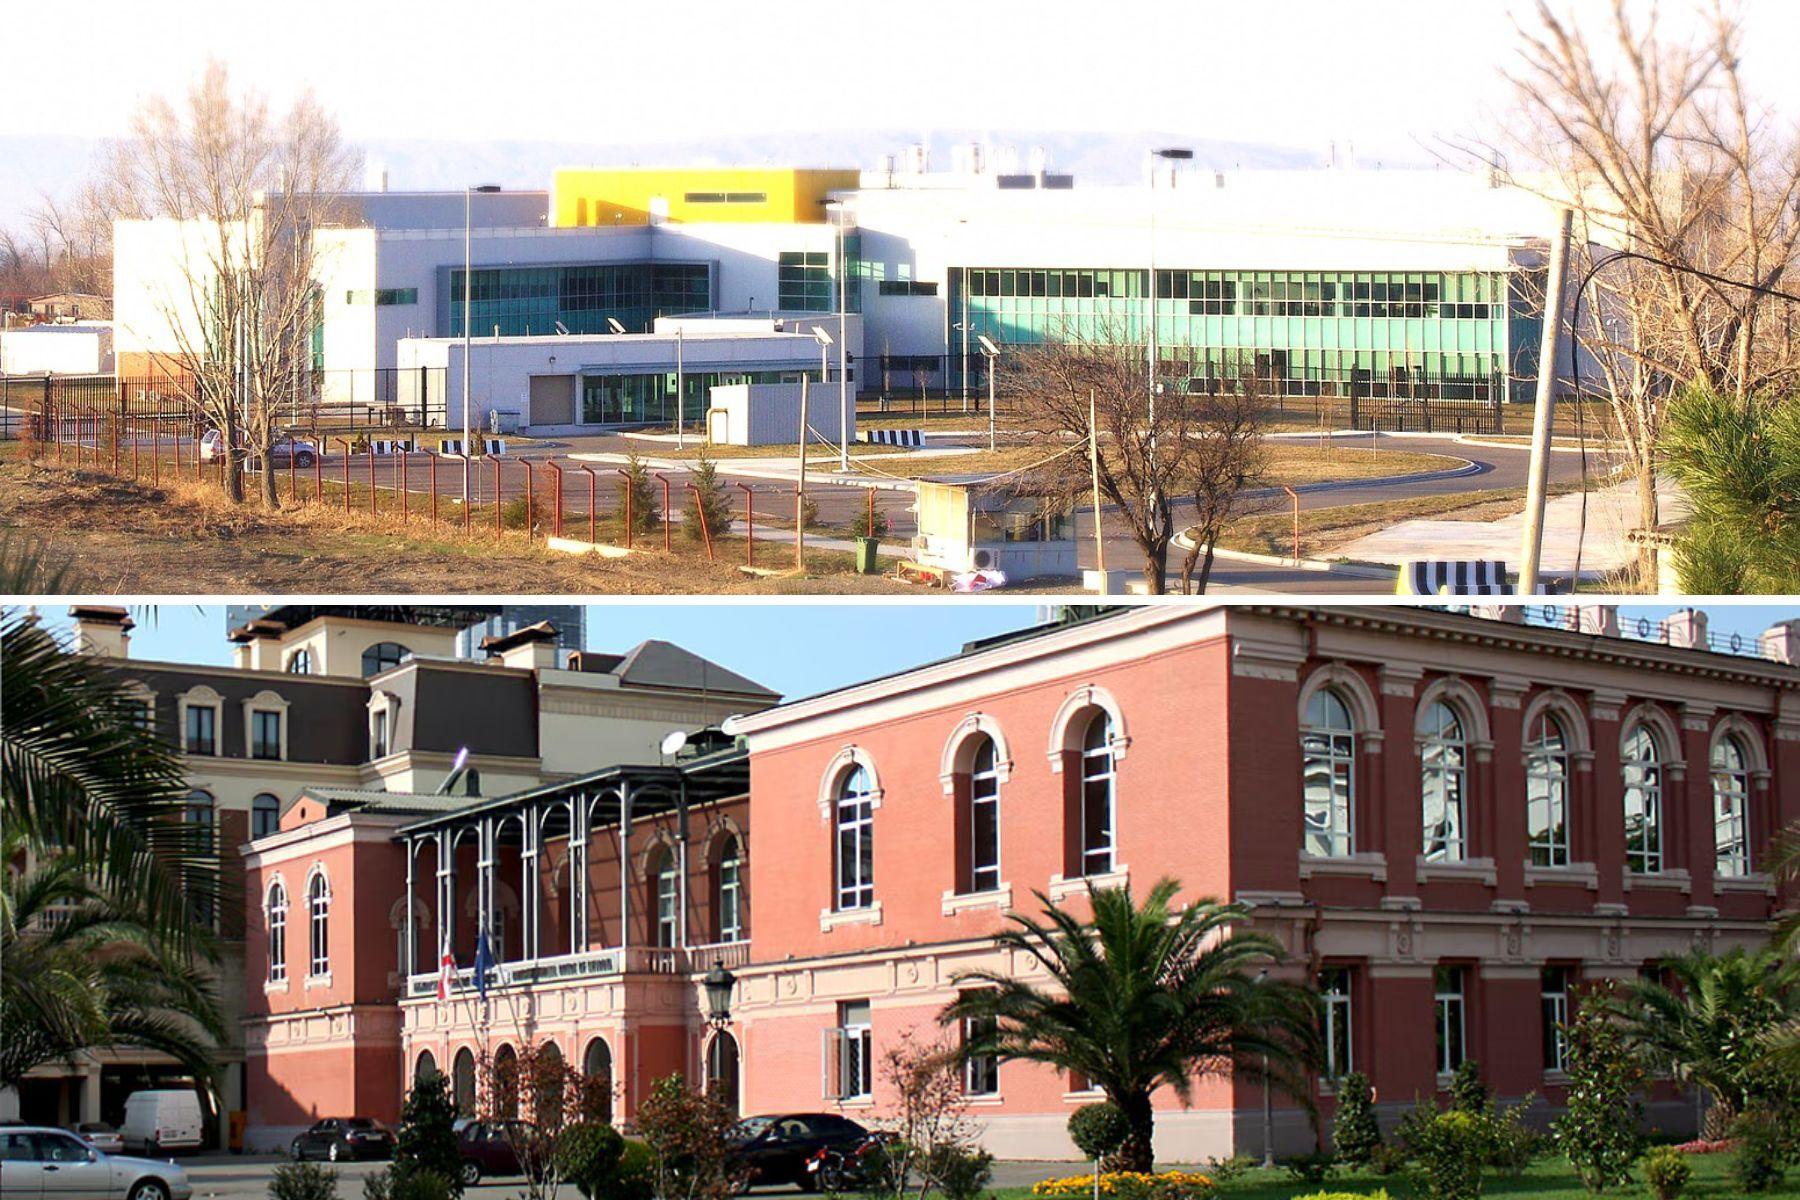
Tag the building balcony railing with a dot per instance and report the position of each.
(588, 964)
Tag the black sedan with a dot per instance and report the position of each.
(342, 1138)
(774, 1149)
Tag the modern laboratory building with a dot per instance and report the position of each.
(1376, 283)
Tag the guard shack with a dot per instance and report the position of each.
(968, 525)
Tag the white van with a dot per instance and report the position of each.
(162, 1119)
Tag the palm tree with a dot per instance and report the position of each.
(81, 967)
(80, 771)
(1712, 1029)
(1141, 998)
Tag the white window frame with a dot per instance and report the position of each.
(731, 889)
(1334, 753)
(666, 880)
(253, 811)
(854, 814)
(1444, 780)
(849, 1055)
(1554, 1007)
(300, 659)
(1451, 1012)
(1099, 766)
(1731, 809)
(275, 903)
(981, 1075)
(202, 698)
(984, 799)
(1646, 795)
(1339, 1016)
(1547, 779)
(318, 925)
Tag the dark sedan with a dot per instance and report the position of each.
(340, 1139)
(491, 1148)
(774, 1149)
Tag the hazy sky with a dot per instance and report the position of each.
(1295, 72)
(796, 649)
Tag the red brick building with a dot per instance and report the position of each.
(1449, 819)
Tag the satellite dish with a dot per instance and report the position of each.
(672, 744)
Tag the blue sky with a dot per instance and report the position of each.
(794, 648)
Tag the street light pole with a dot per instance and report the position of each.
(468, 322)
(1164, 154)
(992, 353)
(680, 395)
(843, 349)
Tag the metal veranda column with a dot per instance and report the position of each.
(409, 962)
(681, 861)
(528, 871)
(578, 853)
(446, 894)
(624, 867)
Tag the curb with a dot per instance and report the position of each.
(1185, 540)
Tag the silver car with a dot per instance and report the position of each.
(39, 1163)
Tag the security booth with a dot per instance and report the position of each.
(968, 523)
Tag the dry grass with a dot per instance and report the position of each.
(1324, 529)
(123, 537)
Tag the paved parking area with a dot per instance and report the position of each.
(244, 1177)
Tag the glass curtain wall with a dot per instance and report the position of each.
(531, 301)
(649, 398)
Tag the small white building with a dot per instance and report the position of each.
(768, 414)
(82, 348)
(967, 524)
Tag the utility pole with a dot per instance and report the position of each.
(1542, 421)
(800, 488)
(1094, 472)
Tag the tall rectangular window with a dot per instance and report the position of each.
(1547, 793)
(1327, 776)
(1554, 990)
(984, 820)
(855, 841)
(1098, 797)
(1449, 1003)
(265, 734)
(378, 734)
(202, 735)
(1334, 992)
(803, 281)
(981, 1072)
(855, 1059)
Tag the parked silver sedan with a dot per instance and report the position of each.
(39, 1163)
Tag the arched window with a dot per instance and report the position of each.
(547, 1079)
(1098, 797)
(668, 903)
(198, 811)
(300, 662)
(277, 905)
(318, 907)
(1731, 807)
(1547, 792)
(1328, 775)
(1443, 784)
(984, 817)
(382, 655)
(855, 841)
(728, 906)
(425, 1068)
(597, 1066)
(265, 815)
(1641, 754)
(722, 1070)
(506, 1083)
(462, 1080)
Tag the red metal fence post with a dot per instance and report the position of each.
(318, 494)
(530, 486)
(347, 451)
(700, 515)
(373, 511)
(556, 518)
(405, 492)
(134, 458)
(499, 508)
(112, 422)
(432, 458)
(749, 524)
(593, 506)
(156, 455)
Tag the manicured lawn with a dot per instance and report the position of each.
(1545, 1179)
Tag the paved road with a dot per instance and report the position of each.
(228, 1177)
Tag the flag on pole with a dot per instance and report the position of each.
(484, 962)
(446, 974)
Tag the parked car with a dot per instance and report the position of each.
(489, 1148)
(775, 1149)
(101, 1136)
(162, 1119)
(287, 448)
(37, 1163)
(339, 1139)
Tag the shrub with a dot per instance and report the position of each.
(426, 1139)
(401, 1183)
(960, 1173)
(1387, 1160)
(1447, 1150)
(1702, 1146)
(646, 513)
(303, 1181)
(1762, 1152)
(587, 1155)
(1598, 1130)
(637, 1173)
(1098, 1130)
(1467, 1091)
(1667, 1172)
(860, 526)
(809, 511)
(1311, 1168)
(707, 514)
(1355, 1131)
(1512, 1144)
(686, 1132)
(1224, 1170)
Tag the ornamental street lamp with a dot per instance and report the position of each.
(718, 983)
(992, 353)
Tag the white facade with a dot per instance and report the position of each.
(80, 349)
(768, 414)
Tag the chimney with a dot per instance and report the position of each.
(1602, 619)
(1512, 614)
(1686, 628)
(1781, 642)
(531, 648)
(102, 630)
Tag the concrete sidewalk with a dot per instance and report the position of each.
(1611, 513)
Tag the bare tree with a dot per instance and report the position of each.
(75, 234)
(1228, 458)
(1652, 136)
(247, 188)
(1142, 460)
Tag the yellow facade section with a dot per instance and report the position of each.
(629, 195)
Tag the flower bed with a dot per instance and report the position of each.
(1130, 1185)
(1702, 1146)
